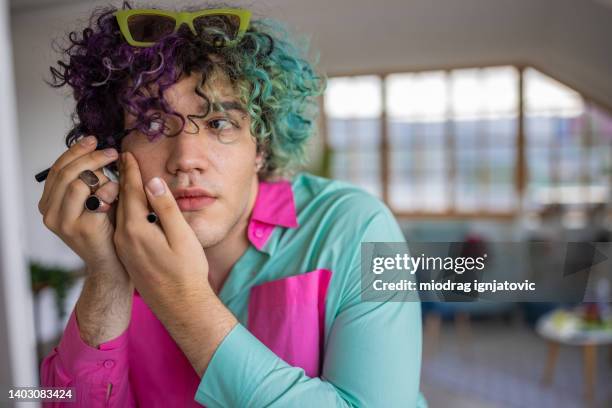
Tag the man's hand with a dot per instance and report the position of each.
(168, 266)
(88, 234)
(163, 262)
(103, 308)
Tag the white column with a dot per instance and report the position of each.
(18, 362)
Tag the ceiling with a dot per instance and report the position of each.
(20, 5)
(23, 5)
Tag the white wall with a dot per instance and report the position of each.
(577, 46)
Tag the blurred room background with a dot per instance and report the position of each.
(485, 120)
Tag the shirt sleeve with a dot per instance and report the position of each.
(372, 355)
(99, 376)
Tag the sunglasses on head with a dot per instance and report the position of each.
(145, 27)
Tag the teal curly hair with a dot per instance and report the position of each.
(270, 72)
(280, 87)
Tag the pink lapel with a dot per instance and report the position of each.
(274, 206)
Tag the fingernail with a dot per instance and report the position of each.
(156, 186)
(110, 152)
(88, 141)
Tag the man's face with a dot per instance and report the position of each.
(219, 159)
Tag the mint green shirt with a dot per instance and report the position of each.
(371, 350)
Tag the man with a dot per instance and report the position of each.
(247, 290)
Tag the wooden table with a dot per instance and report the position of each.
(564, 328)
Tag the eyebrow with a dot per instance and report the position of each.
(227, 105)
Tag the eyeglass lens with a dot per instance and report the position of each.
(150, 28)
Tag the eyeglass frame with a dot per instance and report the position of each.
(180, 18)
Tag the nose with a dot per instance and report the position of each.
(188, 152)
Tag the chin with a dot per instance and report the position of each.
(208, 230)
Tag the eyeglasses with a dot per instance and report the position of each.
(144, 27)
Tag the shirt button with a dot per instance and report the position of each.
(109, 363)
(259, 233)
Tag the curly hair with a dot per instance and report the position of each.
(270, 73)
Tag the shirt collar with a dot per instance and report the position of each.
(274, 205)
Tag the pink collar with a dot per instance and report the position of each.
(274, 206)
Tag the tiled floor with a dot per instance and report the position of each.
(501, 365)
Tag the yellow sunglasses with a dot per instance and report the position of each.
(144, 27)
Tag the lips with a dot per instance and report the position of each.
(193, 199)
(194, 203)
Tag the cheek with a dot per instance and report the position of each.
(149, 163)
(237, 160)
(236, 167)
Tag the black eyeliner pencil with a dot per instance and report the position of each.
(42, 176)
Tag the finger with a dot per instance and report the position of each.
(108, 192)
(84, 146)
(163, 203)
(94, 160)
(72, 205)
(133, 205)
(132, 192)
(103, 207)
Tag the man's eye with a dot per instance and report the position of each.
(219, 124)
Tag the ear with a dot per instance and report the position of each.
(259, 161)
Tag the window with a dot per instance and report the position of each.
(484, 111)
(449, 142)
(416, 106)
(568, 144)
(353, 108)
